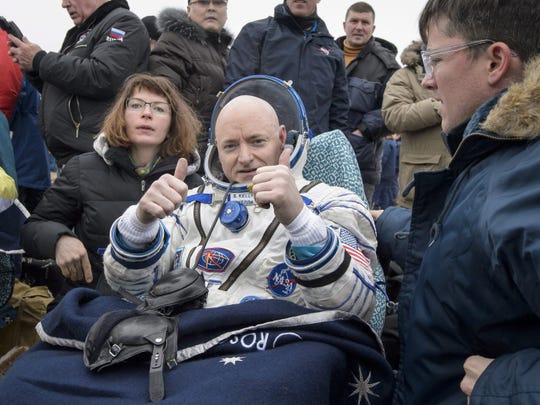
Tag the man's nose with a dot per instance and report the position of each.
(244, 153)
(428, 83)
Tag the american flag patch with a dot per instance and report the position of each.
(117, 34)
(357, 255)
(350, 244)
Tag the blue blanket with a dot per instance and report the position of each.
(264, 352)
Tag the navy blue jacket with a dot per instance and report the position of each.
(278, 46)
(367, 76)
(472, 270)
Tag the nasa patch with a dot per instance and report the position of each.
(281, 281)
(215, 260)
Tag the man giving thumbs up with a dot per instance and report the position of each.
(285, 238)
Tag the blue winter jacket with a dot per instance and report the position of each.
(278, 46)
(367, 76)
(472, 271)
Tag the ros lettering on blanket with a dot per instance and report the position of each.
(260, 341)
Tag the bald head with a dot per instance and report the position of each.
(248, 136)
(247, 108)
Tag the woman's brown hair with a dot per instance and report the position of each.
(182, 137)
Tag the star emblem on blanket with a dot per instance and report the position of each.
(362, 387)
(231, 360)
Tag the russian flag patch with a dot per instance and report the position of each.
(116, 34)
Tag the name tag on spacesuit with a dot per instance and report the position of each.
(242, 198)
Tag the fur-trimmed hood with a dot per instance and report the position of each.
(177, 20)
(410, 56)
(517, 113)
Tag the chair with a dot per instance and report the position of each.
(331, 160)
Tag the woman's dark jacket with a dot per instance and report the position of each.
(85, 200)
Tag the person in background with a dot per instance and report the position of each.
(31, 155)
(11, 218)
(412, 111)
(147, 129)
(19, 102)
(469, 309)
(370, 62)
(192, 51)
(319, 255)
(295, 46)
(385, 194)
(150, 22)
(12, 76)
(78, 84)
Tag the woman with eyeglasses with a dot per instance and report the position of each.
(146, 131)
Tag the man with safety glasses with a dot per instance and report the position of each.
(469, 305)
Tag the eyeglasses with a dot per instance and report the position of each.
(206, 3)
(157, 107)
(430, 62)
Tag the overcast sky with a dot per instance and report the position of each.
(45, 22)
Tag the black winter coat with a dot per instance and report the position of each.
(85, 200)
(367, 75)
(79, 83)
(194, 59)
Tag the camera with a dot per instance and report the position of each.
(10, 27)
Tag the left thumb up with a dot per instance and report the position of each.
(285, 157)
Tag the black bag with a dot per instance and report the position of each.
(120, 335)
(176, 292)
(150, 328)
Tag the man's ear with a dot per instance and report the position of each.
(282, 135)
(500, 62)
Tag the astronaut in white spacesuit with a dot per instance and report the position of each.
(257, 229)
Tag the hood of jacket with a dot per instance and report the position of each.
(412, 59)
(387, 44)
(103, 149)
(177, 21)
(410, 56)
(517, 113)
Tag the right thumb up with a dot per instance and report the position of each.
(181, 169)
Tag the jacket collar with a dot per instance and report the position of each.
(282, 16)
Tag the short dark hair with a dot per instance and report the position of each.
(360, 7)
(514, 22)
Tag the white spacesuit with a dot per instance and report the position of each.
(247, 255)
